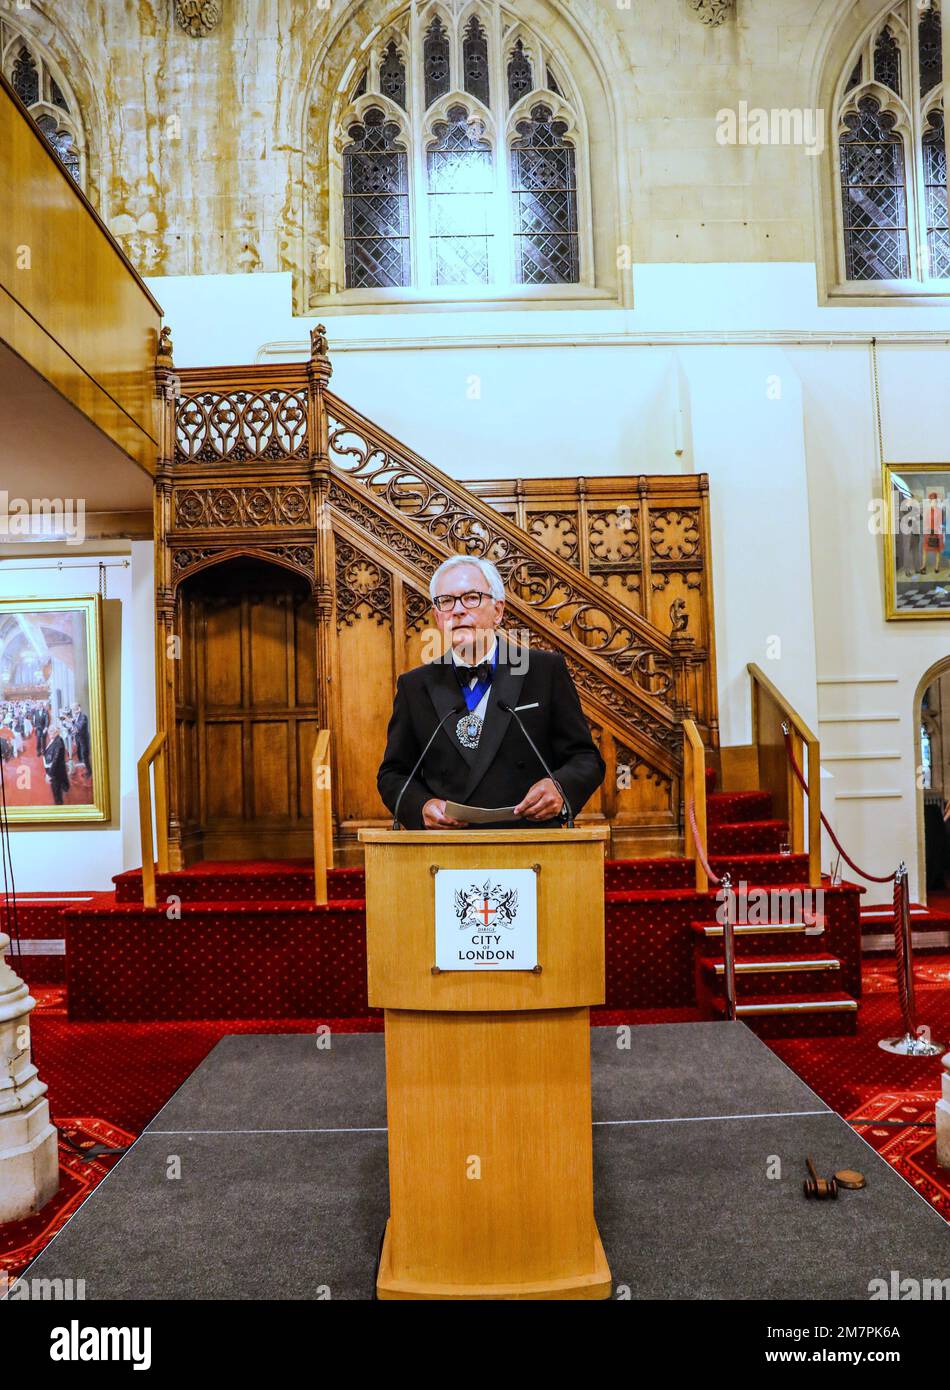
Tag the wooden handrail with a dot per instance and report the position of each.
(155, 750)
(770, 710)
(322, 815)
(694, 790)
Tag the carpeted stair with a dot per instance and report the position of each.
(798, 968)
(245, 940)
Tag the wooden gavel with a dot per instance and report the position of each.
(818, 1187)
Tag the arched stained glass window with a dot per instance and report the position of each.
(392, 75)
(444, 175)
(475, 60)
(435, 61)
(62, 143)
(935, 184)
(892, 163)
(930, 55)
(856, 76)
(887, 61)
(26, 77)
(544, 187)
(520, 81)
(459, 168)
(376, 205)
(30, 74)
(875, 206)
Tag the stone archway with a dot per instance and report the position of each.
(932, 716)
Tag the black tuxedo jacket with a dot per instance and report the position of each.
(502, 768)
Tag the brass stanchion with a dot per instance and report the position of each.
(916, 1040)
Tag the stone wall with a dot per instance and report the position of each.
(209, 154)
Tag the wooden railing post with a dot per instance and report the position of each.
(322, 815)
(771, 712)
(795, 797)
(155, 750)
(694, 794)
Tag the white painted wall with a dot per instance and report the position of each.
(87, 856)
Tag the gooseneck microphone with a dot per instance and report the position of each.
(509, 709)
(456, 709)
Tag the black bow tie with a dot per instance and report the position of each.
(481, 672)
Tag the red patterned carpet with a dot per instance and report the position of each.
(21, 1241)
(862, 1082)
(116, 1076)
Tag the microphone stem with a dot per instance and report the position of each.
(569, 819)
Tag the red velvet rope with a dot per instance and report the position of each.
(901, 893)
(862, 873)
(700, 848)
(902, 890)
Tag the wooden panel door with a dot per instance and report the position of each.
(248, 719)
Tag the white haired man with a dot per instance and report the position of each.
(481, 757)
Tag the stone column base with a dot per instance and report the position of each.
(29, 1161)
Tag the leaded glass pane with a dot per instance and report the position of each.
(475, 60)
(375, 206)
(25, 78)
(553, 83)
(887, 61)
(874, 196)
(56, 95)
(392, 75)
(519, 74)
(435, 61)
(935, 187)
(62, 144)
(855, 79)
(360, 89)
(930, 56)
(459, 169)
(544, 189)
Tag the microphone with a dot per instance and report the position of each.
(509, 709)
(456, 709)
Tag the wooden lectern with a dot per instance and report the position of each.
(488, 1073)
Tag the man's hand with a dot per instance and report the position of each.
(542, 802)
(434, 817)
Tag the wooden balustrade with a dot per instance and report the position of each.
(322, 815)
(694, 794)
(770, 710)
(154, 753)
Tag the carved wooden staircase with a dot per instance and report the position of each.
(265, 462)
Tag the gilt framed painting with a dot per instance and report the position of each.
(53, 754)
(916, 540)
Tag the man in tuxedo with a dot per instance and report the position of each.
(481, 757)
(81, 731)
(41, 724)
(54, 760)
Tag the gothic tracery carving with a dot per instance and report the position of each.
(254, 506)
(361, 587)
(198, 18)
(713, 12)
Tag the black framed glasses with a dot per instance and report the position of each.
(471, 599)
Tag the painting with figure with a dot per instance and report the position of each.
(52, 725)
(917, 540)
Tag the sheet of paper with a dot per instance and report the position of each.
(479, 815)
